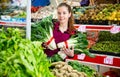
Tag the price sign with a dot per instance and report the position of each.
(108, 60)
(115, 29)
(82, 28)
(81, 56)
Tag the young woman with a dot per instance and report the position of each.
(63, 29)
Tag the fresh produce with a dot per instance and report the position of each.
(35, 9)
(4, 5)
(111, 12)
(43, 31)
(82, 68)
(62, 69)
(55, 58)
(40, 28)
(80, 43)
(43, 12)
(18, 14)
(79, 11)
(107, 36)
(100, 14)
(107, 42)
(20, 57)
(107, 46)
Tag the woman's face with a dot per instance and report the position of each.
(63, 14)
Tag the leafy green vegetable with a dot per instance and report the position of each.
(81, 44)
(41, 28)
(107, 36)
(20, 57)
(55, 58)
(43, 31)
(82, 68)
(107, 46)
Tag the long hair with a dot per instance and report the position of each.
(71, 27)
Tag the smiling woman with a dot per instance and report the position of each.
(65, 17)
(63, 29)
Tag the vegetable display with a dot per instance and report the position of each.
(107, 42)
(80, 43)
(43, 31)
(55, 58)
(82, 68)
(107, 46)
(20, 57)
(62, 69)
(41, 12)
(107, 36)
(98, 14)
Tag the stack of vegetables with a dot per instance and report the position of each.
(82, 68)
(20, 57)
(62, 69)
(43, 31)
(108, 42)
(35, 9)
(99, 14)
(80, 43)
(72, 69)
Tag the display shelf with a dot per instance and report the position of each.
(103, 60)
(97, 27)
(9, 23)
(117, 54)
(16, 13)
(99, 59)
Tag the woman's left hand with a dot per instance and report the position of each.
(68, 51)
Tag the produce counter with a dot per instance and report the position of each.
(10, 23)
(42, 12)
(105, 38)
(98, 14)
(103, 60)
(109, 59)
(13, 13)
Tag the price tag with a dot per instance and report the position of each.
(108, 60)
(115, 29)
(82, 28)
(81, 56)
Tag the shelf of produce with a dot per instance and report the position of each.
(103, 60)
(99, 59)
(97, 27)
(9, 23)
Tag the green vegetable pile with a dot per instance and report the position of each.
(55, 58)
(108, 42)
(107, 36)
(82, 43)
(82, 68)
(41, 28)
(107, 46)
(20, 57)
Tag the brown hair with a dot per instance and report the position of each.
(71, 27)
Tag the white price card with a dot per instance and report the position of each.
(115, 29)
(82, 28)
(81, 56)
(108, 60)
